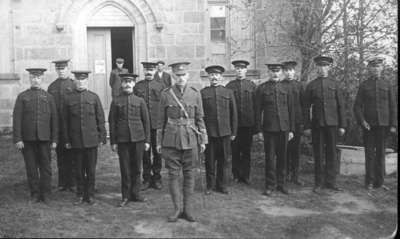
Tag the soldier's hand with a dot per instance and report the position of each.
(146, 146)
(393, 130)
(202, 148)
(114, 147)
(260, 136)
(68, 145)
(158, 148)
(290, 136)
(19, 145)
(233, 137)
(366, 125)
(307, 132)
(53, 145)
(341, 131)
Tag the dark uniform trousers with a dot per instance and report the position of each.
(275, 144)
(37, 159)
(217, 159)
(65, 164)
(130, 155)
(155, 166)
(241, 148)
(324, 141)
(375, 144)
(86, 167)
(293, 156)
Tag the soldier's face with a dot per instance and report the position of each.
(275, 74)
(160, 67)
(82, 84)
(181, 80)
(127, 86)
(215, 78)
(35, 80)
(290, 73)
(120, 65)
(62, 72)
(323, 70)
(149, 73)
(240, 72)
(375, 70)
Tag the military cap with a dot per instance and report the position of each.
(149, 65)
(128, 76)
(375, 61)
(179, 68)
(61, 63)
(160, 62)
(119, 60)
(36, 71)
(274, 66)
(215, 69)
(323, 60)
(241, 63)
(81, 74)
(289, 64)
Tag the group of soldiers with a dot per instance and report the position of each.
(161, 116)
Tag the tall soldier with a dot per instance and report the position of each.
(244, 91)
(130, 136)
(83, 126)
(59, 88)
(220, 117)
(161, 75)
(275, 118)
(376, 111)
(35, 130)
(115, 81)
(293, 152)
(325, 99)
(150, 91)
(181, 130)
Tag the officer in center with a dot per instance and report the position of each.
(181, 131)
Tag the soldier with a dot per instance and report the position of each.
(161, 75)
(181, 130)
(244, 91)
(325, 99)
(129, 135)
(220, 117)
(115, 81)
(293, 151)
(150, 91)
(59, 88)
(35, 130)
(275, 118)
(376, 111)
(83, 127)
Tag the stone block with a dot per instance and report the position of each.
(195, 17)
(5, 118)
(186, 39)
(157, 52)
(184, 5)
(6, 104)
(178, 52)
(44, 53)
(200, 51)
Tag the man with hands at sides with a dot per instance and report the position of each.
(129, 124)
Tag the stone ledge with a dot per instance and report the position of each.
(9, 76)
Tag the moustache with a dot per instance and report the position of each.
(148, 74)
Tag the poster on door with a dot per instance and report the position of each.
(99, 66)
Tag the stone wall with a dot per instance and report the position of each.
(36, 32)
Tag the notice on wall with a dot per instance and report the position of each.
(99, 66)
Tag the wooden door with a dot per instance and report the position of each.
(99, 59)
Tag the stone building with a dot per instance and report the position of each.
(92, 33)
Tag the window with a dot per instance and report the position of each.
(217, 24)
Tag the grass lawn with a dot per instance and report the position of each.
(245, 213)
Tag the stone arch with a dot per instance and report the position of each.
(76, 15)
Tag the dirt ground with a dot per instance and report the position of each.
(245, 213)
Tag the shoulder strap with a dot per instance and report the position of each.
(179, 103)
